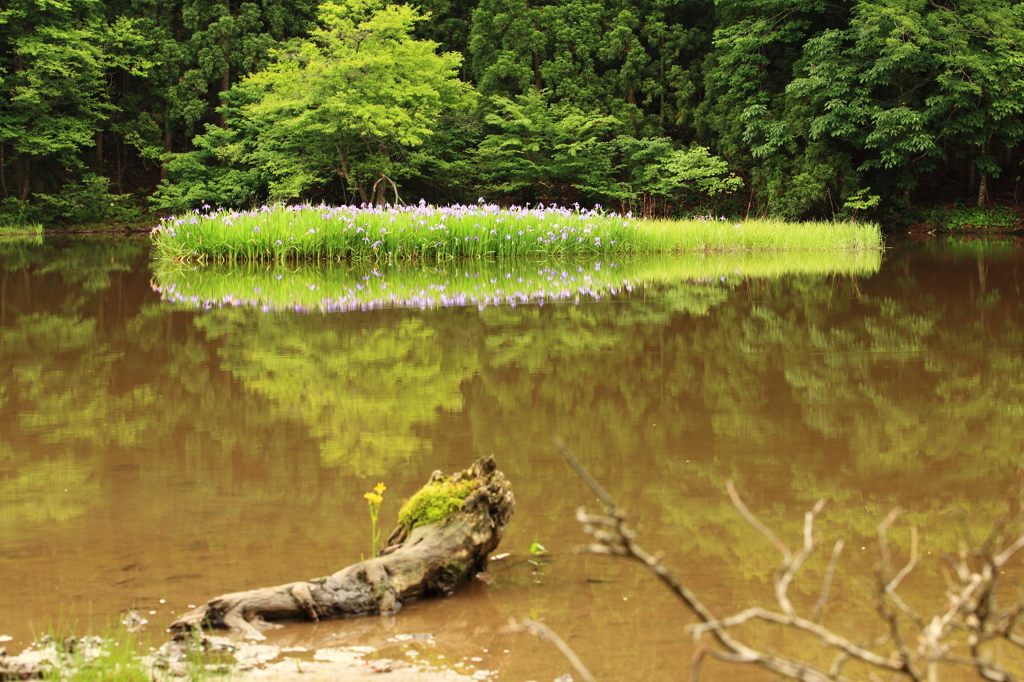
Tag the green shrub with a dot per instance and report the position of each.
(15, 213)
(978, 218)
(86, 203)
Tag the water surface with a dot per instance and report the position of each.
(154, 454)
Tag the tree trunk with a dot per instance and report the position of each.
(25, 178)
(973, 167)
(983, 182)
(3, 176)
(225, 74)
(431, 559)
(167, 150)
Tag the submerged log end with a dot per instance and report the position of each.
(424, 556)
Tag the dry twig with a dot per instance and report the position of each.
(971, 605)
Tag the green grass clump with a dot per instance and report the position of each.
(427, 233)
(435, 501)
(88, 659)
(707, 234)
(20, 230)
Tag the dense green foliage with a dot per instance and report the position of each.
(789, 108)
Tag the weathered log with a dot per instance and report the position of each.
(421, 560)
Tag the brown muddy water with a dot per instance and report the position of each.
(154, 455)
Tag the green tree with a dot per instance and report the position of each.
(54, 59)
(630, 58)
(538, 151)
(349, 103)
(909, 86)
(744, 115)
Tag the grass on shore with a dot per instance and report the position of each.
(283, 233)
(116, 655)
(338, 288)
(21, 230)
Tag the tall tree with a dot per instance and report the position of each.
(628, 58)
(348, 103)
(911, 85)
(743, 114)
(54, 58)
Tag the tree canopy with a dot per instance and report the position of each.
(794, 108)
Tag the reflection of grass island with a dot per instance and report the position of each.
(332, 287)
(15, 236)
(416, 233)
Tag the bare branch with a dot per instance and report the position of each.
(544, 632)
(614, 536)
(837, 665)
(583, 473)
(698, 659)
(753, 521)
(827, 583)
(886, 580)
(970, 612)
(787, 572)
(883, 543)
(827, 637)
(895, 582)
(1008, 553)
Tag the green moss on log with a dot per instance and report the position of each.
(434, 502)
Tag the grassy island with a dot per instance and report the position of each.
(283, 233)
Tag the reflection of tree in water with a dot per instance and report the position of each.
(823, 388)
(104, 382)
(50, 489)
(43, 358)
(361, 384)
(866, 392)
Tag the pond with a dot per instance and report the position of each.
(169, 435)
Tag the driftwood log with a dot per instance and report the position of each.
(431, 559)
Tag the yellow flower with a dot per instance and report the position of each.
(380, 487)
(374, 497)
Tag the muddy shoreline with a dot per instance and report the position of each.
(406, 658)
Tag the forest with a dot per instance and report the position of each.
(113, 111)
